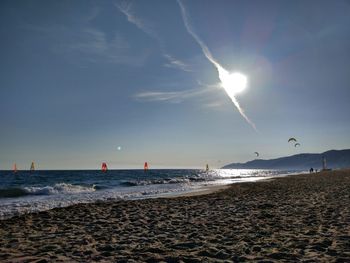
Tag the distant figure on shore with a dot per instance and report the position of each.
(311, 170)
(324, 164)
(207, 168)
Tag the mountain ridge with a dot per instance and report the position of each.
(335, 159)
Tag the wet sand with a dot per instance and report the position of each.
(292, 219)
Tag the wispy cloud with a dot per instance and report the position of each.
(145, 26)
(93, 44)
(171, 96)
(214, 105)
(94, 12)
(175, 63)
(94, 41)
(84, 43)
(126, 9)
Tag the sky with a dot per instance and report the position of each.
(124, 82)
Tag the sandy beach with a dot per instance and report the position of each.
(297, 218)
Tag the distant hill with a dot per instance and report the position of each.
(335, 159)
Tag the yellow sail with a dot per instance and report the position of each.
(32, 168)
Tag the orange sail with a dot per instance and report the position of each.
(104, 167)
(15, 168)
(145, 167)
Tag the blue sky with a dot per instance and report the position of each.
(80, 78)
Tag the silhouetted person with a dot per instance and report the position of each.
(311, 170)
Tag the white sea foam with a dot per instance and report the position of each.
(60, 188)
(65, 194)
(10, 207)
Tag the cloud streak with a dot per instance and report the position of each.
(126, 9)
(171, 96)
(175, 63)
(223, 73)
(81, 43)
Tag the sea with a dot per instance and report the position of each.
(32, 191)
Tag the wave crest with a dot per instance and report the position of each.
(60, 188)
(164, 181)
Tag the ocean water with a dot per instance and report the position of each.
(25, 191)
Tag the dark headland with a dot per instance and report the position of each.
(336, 159)
(291, 219)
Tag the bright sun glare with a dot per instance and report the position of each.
(234, 83)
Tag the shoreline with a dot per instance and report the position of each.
(33, 203)
(210, 189)
(292, 218)
(204, 190)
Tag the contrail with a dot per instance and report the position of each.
(223, 73)
(235, 102)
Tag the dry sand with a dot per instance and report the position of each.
(291, 219)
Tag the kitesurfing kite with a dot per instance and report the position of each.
(257, 154)
(292, 139)
(297, 144)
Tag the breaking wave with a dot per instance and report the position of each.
(59, 188)
(164, 181)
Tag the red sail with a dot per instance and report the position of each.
(104, 167)
(145, 167)
(15, 168)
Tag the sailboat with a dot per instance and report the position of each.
(104, 167)
(207, 168)
(145, 167)
(15, 168)
(32, 168)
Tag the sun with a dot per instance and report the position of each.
(234, 83)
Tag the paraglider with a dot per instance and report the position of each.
(145, 167)
(292, 139)
(104, 167)
(257, 154)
